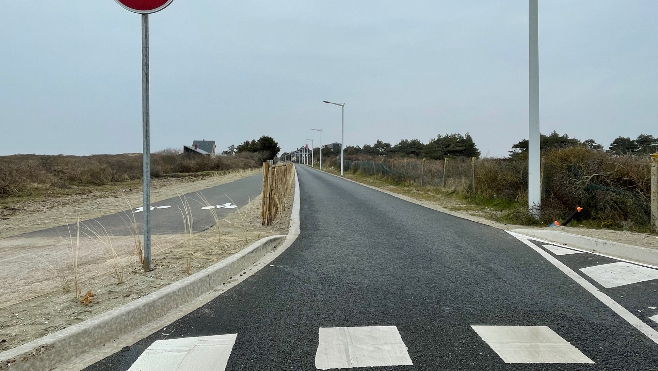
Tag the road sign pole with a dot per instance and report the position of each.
(534, 155)
(146, 263)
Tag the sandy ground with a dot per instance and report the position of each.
(454, 206)
(38, 280)
(29, 216)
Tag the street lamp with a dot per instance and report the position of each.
(342, 131)
(312, 148)
(320, 130)
(534, 155)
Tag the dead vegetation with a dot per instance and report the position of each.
(614, 190)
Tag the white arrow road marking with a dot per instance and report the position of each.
(624, 313)
(141, 208)
(349, 347)
(208, 353)
(530, 344)
(620, 274)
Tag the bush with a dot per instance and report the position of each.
(613, 190)
(25, 174)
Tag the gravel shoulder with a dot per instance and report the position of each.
(47, 302)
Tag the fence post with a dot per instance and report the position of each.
(422, 172)
(654, 190)
(266, 191)
(445, 163)
(473, 173)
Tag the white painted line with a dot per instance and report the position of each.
(559, 250)
(620, 274)
(530, 344)
(629, 317)
(224, 206)
(654, 318)
(208, 353)
(581, 250)
(349, 347)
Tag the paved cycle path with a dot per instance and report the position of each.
(373, 280)
(169, 216)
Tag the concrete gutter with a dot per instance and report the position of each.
(54, 350)
(614, 249)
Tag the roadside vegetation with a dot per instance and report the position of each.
(612, 186)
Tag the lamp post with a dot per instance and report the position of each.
(320, 130)
(534, 156)
(342, 131)
(312, 148)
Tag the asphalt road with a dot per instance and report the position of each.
(167, 216)
(365, 258)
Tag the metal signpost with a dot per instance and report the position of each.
(146, 7)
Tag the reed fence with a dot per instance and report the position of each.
(277, 185)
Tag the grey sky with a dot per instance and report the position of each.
(70, 77)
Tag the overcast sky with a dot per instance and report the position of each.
(70, 74)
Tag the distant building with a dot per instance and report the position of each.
(333, 146)
(207, 146)
(195, 151)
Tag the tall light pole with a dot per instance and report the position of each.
(534, 155)
(342, 131)
(320, 130)
(312, 148)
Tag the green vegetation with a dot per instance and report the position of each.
(266, 148)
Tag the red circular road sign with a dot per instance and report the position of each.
(144, 6)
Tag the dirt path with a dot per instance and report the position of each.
(37, 282)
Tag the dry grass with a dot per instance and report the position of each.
(277, 185)
(613, 190)
(30, 175)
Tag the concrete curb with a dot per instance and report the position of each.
(609, 248)
(53, 350)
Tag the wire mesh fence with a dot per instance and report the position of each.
(614, 191)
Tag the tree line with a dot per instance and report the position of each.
(458, 145)
(266, 147)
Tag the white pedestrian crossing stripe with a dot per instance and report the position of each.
(208, 353)
(558, 250)
(620, 274)
(349, 347)
(529, 344)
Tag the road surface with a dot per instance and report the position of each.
(375, 280)
(167, 215)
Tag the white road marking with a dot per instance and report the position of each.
(629, 317)
(558, 250)
(224, 206)
(141, 208)
(349, 347)
(530, 344)
(620, 274)
(208, 353)
(654, 318)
